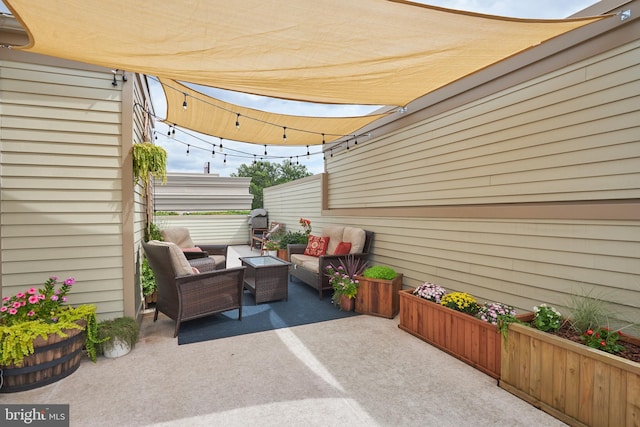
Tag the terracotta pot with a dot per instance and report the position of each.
(283, 254)
(346, 303)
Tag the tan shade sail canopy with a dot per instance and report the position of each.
(212, 116)
(375, 52)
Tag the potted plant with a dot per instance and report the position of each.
(456, 323)
(343, 281)
(271, 246)
(118, 336)
(378, 294)
(581, 379)
(41, 338)
(292, 238)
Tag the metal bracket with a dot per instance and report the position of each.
(625, 14)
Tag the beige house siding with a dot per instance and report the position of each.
(63, 165)
(559, 144)
(215, 229)
(568, 136)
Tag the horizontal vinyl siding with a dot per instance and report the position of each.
(571, 135)
(210, 229)
(61, 181)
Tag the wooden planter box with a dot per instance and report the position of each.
(474, 341)
(379, 297)
(574, 383)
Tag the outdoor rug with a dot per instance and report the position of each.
(302, 307)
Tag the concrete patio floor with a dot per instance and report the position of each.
(359, 371)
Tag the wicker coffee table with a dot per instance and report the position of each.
(266, 277)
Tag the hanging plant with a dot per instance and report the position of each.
(149, 160)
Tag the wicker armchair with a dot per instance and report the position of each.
(181, 237)
(183, 295)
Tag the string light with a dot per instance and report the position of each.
(221, 147)
(184, 103)
(284, 134)
(213, 152)
(225, 159)
(308, 154)
(188, 146)
(254, 159)
(265, 149)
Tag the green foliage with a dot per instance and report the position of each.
(546, 318)
(149, 160)
(267, 174)
(16, 340)
(152, 232)
(148, 279)
(123, 328)
(380, 272)
(587, 312)
(292, 238)
(602, 339)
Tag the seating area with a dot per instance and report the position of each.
(334, 244)
(312, 375)
(186, 293)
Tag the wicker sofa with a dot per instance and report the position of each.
(311, 270)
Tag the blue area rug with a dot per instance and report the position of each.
(303, 307)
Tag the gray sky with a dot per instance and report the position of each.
(178, 161)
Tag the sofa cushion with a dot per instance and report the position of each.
(178, 235)
(307, 262)
(317, 246)
(180, 264)
(335, 234)
(357, 237)
(343, 248)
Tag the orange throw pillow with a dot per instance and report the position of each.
(317, 246)
(343, 248)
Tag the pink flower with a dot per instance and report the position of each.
(589, 332)
(64, 299)
(602, 343)
(32, 291)
(54, 298)
(31, 313)
(5, 299)
(12, 311)
(54, 278)
(70, 281)
(20, 295)
(17, 304)
(3, 308)
(41, 296)
(33, 299)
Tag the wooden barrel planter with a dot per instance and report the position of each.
(54, 358)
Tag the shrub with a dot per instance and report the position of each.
(382, 272)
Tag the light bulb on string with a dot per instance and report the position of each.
(347, 144)
(237, 120)
(355, 140)
(265, 149)
(225, 159)
(173, 132)
(254, 159)
(284, 133)
(188, 150)
(184, 103)
(213, 152)
(297, 161)
(221, 147)
(308, 154)
(331, 152)
(323, 142)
